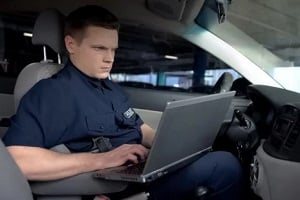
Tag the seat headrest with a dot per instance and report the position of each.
(49, 30)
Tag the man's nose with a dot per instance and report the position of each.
(109, 56)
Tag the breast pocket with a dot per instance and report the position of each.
(101, 123)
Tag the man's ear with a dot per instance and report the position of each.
(70, 43)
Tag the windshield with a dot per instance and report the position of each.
(275, 26)
(266, 32)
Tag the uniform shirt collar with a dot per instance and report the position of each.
(99, 83)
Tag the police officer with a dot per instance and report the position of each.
(80, 103)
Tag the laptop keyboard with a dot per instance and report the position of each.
(134, 169)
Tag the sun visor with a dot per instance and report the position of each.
(169, 9)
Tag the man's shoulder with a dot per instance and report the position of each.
(44, 95)
(47, 89)
(47, 85)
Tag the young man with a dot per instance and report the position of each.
(80, 104)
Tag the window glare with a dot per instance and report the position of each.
(179, 79)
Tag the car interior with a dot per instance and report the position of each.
(261, 127)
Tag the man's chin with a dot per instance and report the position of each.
(102, 76)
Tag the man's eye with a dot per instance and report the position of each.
(99, 48)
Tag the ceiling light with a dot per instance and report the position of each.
(171, 57)
(26, 34)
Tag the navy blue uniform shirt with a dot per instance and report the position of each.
(71, 108)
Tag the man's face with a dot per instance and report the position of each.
(94, 54)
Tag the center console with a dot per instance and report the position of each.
(284, 142)
(275, 170)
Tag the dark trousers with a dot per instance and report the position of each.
(220, 172)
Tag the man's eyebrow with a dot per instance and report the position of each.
(98, 46)
(102, 46)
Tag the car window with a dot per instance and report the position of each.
(152, 59)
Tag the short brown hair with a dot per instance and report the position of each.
(90, 15)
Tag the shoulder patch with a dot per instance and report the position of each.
(129, 113)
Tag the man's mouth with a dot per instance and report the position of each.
(105, 69)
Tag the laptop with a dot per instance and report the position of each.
(186, 131)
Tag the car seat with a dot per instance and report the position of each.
(47, 31)
(13, 184)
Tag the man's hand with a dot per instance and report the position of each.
(122, 154)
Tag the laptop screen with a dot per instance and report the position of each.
(187, 127)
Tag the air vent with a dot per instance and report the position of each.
(292, 138)
(276, 142)
(284, 142)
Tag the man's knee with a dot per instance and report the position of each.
(226, 179)
(216, 171)
(216, 168)
(227, 166)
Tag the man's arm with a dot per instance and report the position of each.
(148, 135)
(42, 164)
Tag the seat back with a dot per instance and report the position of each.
(47, 31)
(13, 184)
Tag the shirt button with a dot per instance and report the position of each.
(101, 127)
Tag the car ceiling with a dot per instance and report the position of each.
(273, 23)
